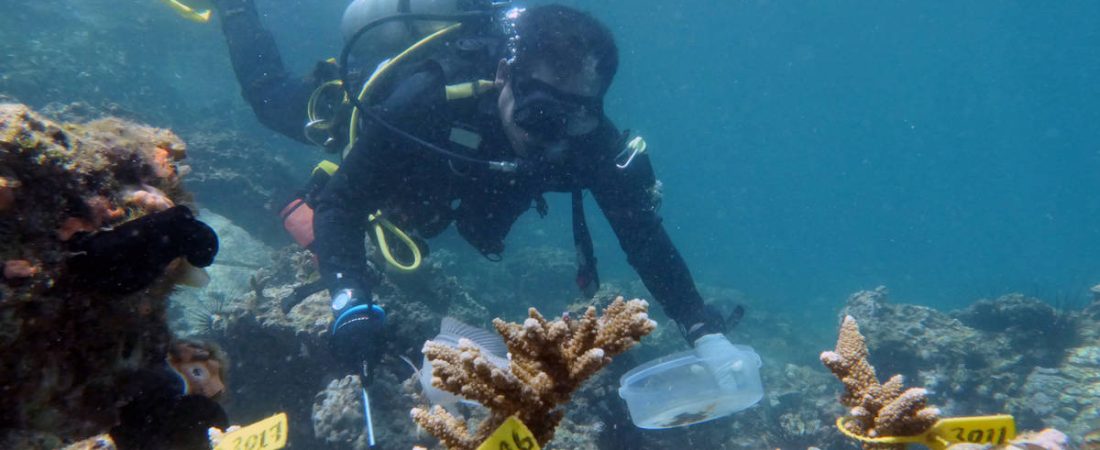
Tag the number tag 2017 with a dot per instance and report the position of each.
(511, 435)
(267, 434)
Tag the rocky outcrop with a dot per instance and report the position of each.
(67, 346)
(243, 180)
(1066, 395)
(1014, 354)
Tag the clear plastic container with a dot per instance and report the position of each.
(677, 390)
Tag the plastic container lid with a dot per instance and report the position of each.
(677, 390)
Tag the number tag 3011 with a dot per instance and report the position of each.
(267, 434)
(996, 430)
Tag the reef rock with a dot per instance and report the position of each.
(932, 349)
(242, 180)
(1013, 354)
(338, 417)
(1066, 395)
(1039, 332)
(278, 331)
(64, 348)
(197, 311)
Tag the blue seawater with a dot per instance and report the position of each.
(808, 149)
(949, 150)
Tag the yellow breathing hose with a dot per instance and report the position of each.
(188, 12)
(382, 70)
(311, 105)
(381, 225)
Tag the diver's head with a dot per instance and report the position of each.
(553, 85)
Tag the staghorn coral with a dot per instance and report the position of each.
(877, 409)
(549, 361)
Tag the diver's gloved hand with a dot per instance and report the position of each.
(357, 330)
(131, 256)
(710, 320)
(719, 357)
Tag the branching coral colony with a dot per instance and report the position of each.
(877, 409)
(549, 361)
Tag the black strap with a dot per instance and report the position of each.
(588, 278)
(405, 7)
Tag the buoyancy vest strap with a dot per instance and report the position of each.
(588, 278)
(380, 72)
(469, 89)
(381, 226)
(325, 166)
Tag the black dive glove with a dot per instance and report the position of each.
(357, 329)
(131, 256)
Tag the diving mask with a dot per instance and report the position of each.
(551, 114)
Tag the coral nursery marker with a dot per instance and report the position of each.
(267, 434)
(996, 430)
(513, 435)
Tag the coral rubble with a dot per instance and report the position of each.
(64, 347)
(549, 361)
(877, 409)
(338, 414)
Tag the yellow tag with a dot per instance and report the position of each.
(511, 435)
(996, 430)
(267, 434)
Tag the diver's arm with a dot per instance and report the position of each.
(277, 98)
(628, 198)
(367, 173)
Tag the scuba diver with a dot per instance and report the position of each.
(469, 126)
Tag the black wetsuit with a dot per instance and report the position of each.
(423, 192)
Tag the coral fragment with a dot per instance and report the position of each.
(549, 361)
(876, 409)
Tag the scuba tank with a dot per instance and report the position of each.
(389, 39)
(378, 36)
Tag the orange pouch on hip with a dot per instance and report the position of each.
(298, 221)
